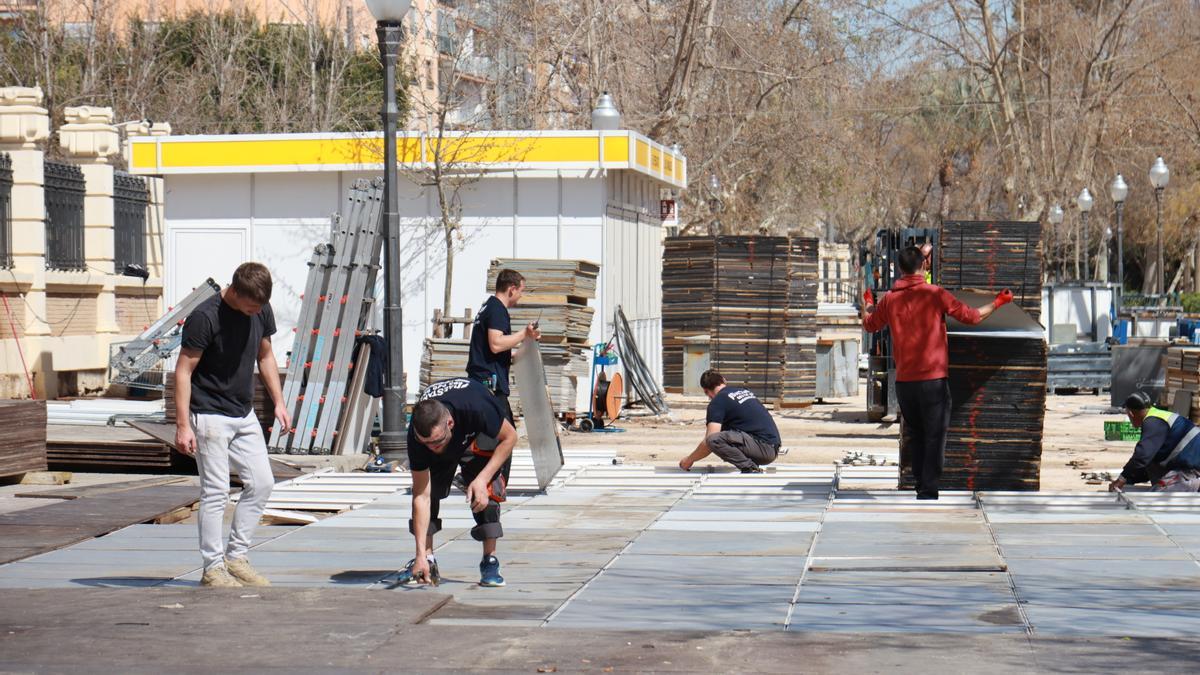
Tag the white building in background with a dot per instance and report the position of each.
(591, 195)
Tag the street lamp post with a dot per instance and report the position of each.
(1056, 219)
(715, 204)
(389, 27)
(1119, 191)
(1084, 202)
(1160, 175)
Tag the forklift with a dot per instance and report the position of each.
(880, 271)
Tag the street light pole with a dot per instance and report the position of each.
(1119, 191)
(1056, 219)
(1084, 201)
(389, 27)
(1159, 176)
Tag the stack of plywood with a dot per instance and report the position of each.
(990, 256)
(800, 366)
(1183, 375)
(756, 297)
(23, 443)
(443, 359)
(687, 303)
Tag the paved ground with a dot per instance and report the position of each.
(642, 567)
(646, 548)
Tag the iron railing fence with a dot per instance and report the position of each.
(65, 189)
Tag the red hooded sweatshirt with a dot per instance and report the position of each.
(915, 311)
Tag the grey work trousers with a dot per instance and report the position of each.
(741, 449)
(221, 442)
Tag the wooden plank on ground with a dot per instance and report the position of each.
(48, 528)
(77, 491)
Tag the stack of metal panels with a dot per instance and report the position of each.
(990, 256)
(1183, 376)
(998, 394)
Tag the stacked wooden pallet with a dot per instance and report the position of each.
(990, 256)
(687, 303)
(90, 447)
(1183, 375)
(800, 369)
(757, 299)
(548, 277)
(442, 359)
(998, 389)
(23, 443)
(751, 313)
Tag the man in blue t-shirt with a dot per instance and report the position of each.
(492, 341)
(457, 425)
(738, 428)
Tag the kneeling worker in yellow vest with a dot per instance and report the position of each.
(1168, 455)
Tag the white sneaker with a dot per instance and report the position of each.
(218, 576)
(240, 569)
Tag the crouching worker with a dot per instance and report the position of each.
(738, 428)
(1168, 455)
(457, 426)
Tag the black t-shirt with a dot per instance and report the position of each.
(475, 412)
(482, 364)
(738, 409)
(223, 382)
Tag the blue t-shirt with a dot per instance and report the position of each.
(482, 364)
(738, 409)
(475, 412)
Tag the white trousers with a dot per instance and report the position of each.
(223, 442)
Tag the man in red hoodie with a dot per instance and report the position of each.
(915, 312)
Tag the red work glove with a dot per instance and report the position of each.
(868, 298)
(1003, 298)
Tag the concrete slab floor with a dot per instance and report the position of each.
(346, 630)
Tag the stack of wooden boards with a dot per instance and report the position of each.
(320, 385)
(756, 297)
(23, 443)
(990, 256)
(1183, 375)
(556, 296)
(998, 394)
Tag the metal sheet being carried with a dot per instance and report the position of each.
(540, 425)
(1010, 321)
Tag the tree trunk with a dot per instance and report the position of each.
(448, 231)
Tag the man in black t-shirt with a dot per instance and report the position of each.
(738, 428)
(492, 341)
(223, 339)
(457, 425)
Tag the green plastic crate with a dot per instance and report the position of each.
(1121, 431)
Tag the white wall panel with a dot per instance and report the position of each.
(207, 197)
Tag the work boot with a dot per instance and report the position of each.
(241, 570)
(218, 576)
(757, 469)
(489, 572)
(405, 577)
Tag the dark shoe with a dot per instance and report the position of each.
(927, 495)
(405, 578)
(757, 469)
(489, 572)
